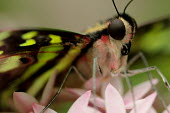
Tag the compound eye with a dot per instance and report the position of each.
(116, 29)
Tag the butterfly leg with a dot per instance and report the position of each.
(81, 76)
(130, 86)
(94, 80)
(148, 69)
(135, 58)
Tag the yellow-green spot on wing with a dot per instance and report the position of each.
(9, 63)
(55, 39)
(64, 63)
(52, 48)
(29, 35)
(28, 42)
(1, 52)
(4, 35)
(49, 52)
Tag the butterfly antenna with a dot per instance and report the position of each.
(115, 7)
(127, 6)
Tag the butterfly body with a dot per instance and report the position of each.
(111, 52)
(109, 59)
(48, 48)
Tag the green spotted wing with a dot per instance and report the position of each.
(26, 54)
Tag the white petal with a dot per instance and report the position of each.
(139, 91)
(113, 100)
(48, 90)
(131, 104)
(144, 108)
(115, 81)
(152, 110)
(92, 110)
(76, 91)
(23, 102)
(165, 111)
(81, 104)
(99, 102)
(89, 84)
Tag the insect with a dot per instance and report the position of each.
(26, 54)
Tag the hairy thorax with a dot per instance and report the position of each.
(108, 53)
(109, 58)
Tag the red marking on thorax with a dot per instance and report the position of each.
(108, 23)
(87, 40)
(105, 38)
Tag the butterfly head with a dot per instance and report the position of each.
(122, 27)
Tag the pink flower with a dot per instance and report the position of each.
(165, 111)
(110, 101)
(25, 103)
(139, 91)
(113, 103)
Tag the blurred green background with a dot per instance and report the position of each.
(78, 15)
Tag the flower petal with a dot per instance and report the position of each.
(92, 110)
(139, 91)
(165, 111)
(115, 81)
(89, 84)
(76, 91)
(152, 110)
(99, 102)
(38, 108)
(81, 104)
(113, 100)
(23, 102)
(48, 90)
(144, 108)
(131, 104)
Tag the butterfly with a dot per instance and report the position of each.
(29, 54)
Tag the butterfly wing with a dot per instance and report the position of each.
(25, 54)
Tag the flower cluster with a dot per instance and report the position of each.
(110, 101)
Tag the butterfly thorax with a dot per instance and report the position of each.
(109, 55)
(111, 46)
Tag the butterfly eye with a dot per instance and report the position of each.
(116, 29)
